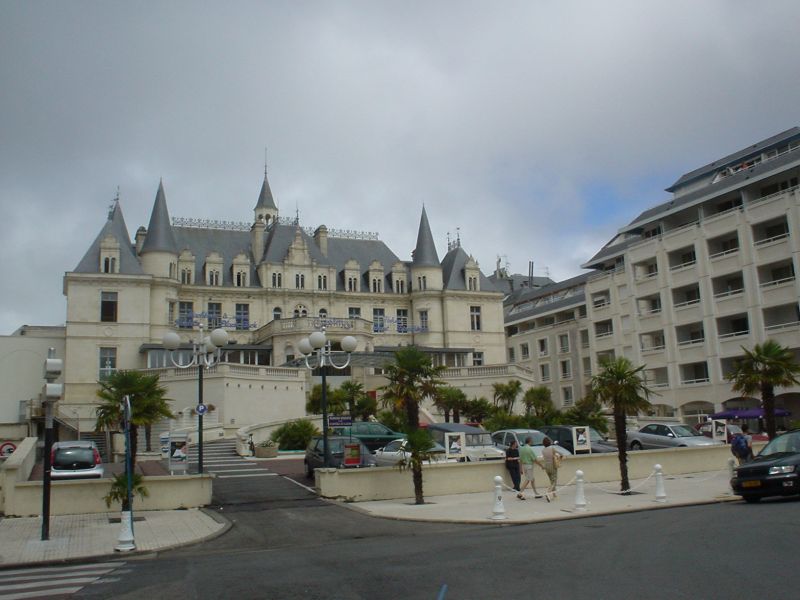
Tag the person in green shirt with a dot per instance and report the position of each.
(527, 458)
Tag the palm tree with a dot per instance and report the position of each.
(538, 401)
(450, 399)
(478, 409)
(335, 400)
(352, 393)
(505, 394)
(147, 397)
(765, 367)
(412, 377)
(620, 385)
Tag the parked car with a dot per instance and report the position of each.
(667, 435)
(562, 434)
(315, 455)
(773, 472)
(77, 459)
(374, 435)
(478, 442)
(732, 430)
(502, 439)
(395, 451)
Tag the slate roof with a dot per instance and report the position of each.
(265, 199)
(115, 226)
(735, 158)
(607, 252)
(512, 283)
(160, 237)
(228, 244)
(425, 251)
(528, 295)
(453, 265)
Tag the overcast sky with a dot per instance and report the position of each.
(536, 129)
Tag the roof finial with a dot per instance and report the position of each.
(265, 161)
(296, 214)
(458, 237)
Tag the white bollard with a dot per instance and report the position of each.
(499, 511)
(580, 498)
(125, 541)
(661, 495)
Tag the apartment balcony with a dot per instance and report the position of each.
(684, 275)
(773, 206)
(724, 262)
(693, 374)
(773, 248)
(488, 371)
(688, 311)
(778, 291)
(647, 284)
(302, 326)
(722, 222)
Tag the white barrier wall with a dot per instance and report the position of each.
(387, 483)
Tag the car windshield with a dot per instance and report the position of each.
(789, 442)
(684, 431)
(537, 437)
(479, 439)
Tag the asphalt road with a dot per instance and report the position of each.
(286, 543)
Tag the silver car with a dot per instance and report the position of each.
(667, 435)
(394, 452)
(503, 438)
(78, 459)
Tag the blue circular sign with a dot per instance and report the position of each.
(201, 409)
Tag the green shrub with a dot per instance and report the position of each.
(393, 420)
(294, 435)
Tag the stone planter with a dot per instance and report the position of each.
(266, 451)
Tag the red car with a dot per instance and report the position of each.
(705, 429)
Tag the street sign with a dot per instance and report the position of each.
(339, 421)
(202, 409)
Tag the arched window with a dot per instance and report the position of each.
(276, 313)
(323, 314)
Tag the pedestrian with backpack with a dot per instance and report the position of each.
(742, 445)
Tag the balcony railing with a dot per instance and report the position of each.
(776, 282)
(691, 342)
(603, 334)
(769, 240)
(728, 293)
(695, 381)
(687, 303)
(732, 334)
(655, 348)
(783, 326)
(723, 253)
(683, 265)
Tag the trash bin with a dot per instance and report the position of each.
(163, 442)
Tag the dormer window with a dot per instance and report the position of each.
(322, 282)
(186, 276)
(109, 255)
(241, 279)
(109, 264)
(277, 280)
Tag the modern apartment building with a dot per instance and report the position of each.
(681, 289)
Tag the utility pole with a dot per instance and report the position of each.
(52, 393)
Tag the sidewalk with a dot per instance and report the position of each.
(601, 499)
(86, 536)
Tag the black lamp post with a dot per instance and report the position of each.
(317, 343)
(206, 353)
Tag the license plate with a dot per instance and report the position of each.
(751, 484)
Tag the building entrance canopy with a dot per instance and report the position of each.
(748, 413)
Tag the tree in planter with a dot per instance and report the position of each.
(148, 403)
(412, 377)
(762, 369)
(419, 446)
(620, 385)
(294, 435)
(119, 490)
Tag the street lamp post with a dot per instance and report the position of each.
(318, 343)
(206, 353)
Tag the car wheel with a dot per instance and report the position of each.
(751, 499)
(636, 445)
(309, 471)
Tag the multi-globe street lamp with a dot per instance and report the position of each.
(206, 352)
(318, 343)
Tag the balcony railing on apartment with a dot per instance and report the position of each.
(695, 381)
(723, 253)
(732, 334)
(655, 348)
(783, 326)
(769, 240)
(691, 342)
(603, 334)
(687, 303)
(776, 282)
(728, 293)
(683, 265)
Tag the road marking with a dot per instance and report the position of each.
(109, 566)
(305, 487)
(49, 593)
(240, 470)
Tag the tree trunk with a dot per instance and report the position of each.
(446, 415)
(456, 415)
(622, 448)
(416, 472)
(148, 430)
(412, 414)
(768, 404)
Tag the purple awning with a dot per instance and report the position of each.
(748, 413)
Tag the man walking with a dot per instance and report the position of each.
(527, 458)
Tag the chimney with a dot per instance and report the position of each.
(257, 238)
(141, 233)
(321, 239)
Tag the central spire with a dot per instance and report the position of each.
(160, 237)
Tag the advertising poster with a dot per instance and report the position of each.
(580, 440)
(178, 454)
(718, 430)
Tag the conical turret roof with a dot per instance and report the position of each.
(265, 199)
(115, 227)
(160, 237)
(425, 252)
